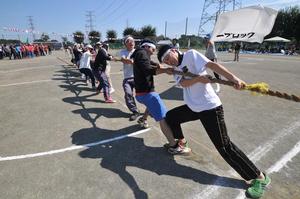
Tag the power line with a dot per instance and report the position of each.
(102, 3)
(122, 13)
(105, 9)
(110, 14)
(210, 16)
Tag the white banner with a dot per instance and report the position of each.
(250, 24)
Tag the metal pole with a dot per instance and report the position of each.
(186, 25)
(166, 29)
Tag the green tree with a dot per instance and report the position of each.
(162, 37)
(45, 37)
(78, 37)
(111, 35)
(130, 31)
(94, 37)
(195, 41)
(148, 31)
(65, 42)
(287, 24)
(64, 39)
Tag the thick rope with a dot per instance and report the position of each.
(261, 88)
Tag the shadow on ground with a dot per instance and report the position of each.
(173, 93)
(117, 155)
(132, 152)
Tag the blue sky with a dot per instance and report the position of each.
(67, 16)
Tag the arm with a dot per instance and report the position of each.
(168, 71)
(105, 55)
(155, 64)
(189, 82)
(218, 68)
(126, 60)
(160, 69)
(142, 61)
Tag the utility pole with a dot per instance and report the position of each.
(186, 25)
(166, 29)
(31, 27)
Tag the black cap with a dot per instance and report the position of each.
(162, 51)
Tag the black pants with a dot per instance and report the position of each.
(88, 73)
(214, 124)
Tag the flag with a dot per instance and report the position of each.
(249, 24)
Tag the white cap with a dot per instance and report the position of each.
(89, 46)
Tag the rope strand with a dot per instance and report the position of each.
(262, 88)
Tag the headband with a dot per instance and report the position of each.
(148, 44)
(165, 54)
(131, 38)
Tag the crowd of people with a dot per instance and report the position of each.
(20, 51)
(201, 102)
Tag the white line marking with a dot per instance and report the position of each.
(29, 68)
(278, 165)
(259, 152)
(73, 147)
(255, 156)
(285, 159)
(21, 83)
(226, 62)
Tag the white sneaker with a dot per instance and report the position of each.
(143, 123)
(111, 90)
(180, 149)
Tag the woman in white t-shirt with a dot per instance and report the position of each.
(202, 103)
(85, 65)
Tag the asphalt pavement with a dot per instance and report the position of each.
(58, 139)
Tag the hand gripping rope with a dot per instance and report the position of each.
(262, 88)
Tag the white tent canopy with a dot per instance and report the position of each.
(163, 42)
(278, 39)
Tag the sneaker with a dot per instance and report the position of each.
(180, 149)
(110, 101)
(143, 123)
(111, 90)
(134, 116)
(167, 145)
(257, 187)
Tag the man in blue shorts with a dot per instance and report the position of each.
(144, 69)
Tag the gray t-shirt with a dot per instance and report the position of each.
(127, 68)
